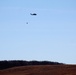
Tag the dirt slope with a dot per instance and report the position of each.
(41, 70)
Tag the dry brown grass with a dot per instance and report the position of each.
(41, 70)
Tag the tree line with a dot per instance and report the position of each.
(14, 63)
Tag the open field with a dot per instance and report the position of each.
(41, 70)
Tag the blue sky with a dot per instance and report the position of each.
(51, 35)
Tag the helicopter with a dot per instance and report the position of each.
(33, 14)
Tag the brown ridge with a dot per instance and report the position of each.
(41, 70)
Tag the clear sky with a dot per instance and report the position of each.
(51, 35)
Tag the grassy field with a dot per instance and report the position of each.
(41, 70)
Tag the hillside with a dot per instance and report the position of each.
(41, 70)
